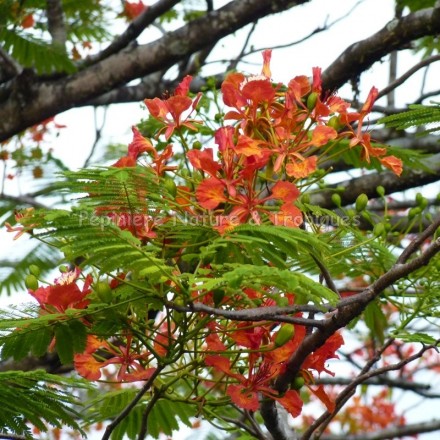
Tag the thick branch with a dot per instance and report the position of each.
(390, 433)
(55, 21)
(279, 314)
(351, 308)
(134, 29)
(49, 97)
(367, 184)
(394, 36)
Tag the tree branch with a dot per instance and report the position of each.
(347, 310)
(394, 36)
(55, 22)
(46, 98)
(368, 183)
(349, 391)
(272, 313)
(112, 426)
(390, 433)
(399, 81)
(135, 28)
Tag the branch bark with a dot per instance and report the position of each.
(395, 432)
(396, 35)
(346, 312)
(351, 188)
(55, 21)
(43, 98)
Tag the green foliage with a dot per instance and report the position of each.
(416, 5)
(165, 417)
(24, 332)
(416, 116)
(33, 52)
(13, 272)
(38, 398)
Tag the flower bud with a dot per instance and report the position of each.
(104, 292)
(31, 282)
(380, 190)
(361, 202)
(34, 270)
(311, 100)
(297, 383)
(336, 199)
(170, 186)
(378, 229)
(284, 335)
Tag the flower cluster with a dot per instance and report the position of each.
(276, 138)
(279, 135)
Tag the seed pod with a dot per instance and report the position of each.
(284, 335)
(361, 202)
(31, 282)
(311, 100)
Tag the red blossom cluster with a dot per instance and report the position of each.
(277, 137)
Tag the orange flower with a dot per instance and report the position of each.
(322, 134)
(174, 106)
(210, 193)
(393, 163)
(65, 294)
(133, 9)
(138, 145)
(302, 168)
(246, 393)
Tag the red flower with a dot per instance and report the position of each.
(133, 9)
(131, 369)
(65, 294)
(174, 106)
(246, 393)
(28, 21)
(138, 146)
(316, 361)
(210, 193)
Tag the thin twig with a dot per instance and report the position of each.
(98, 134)
(327, 277)
(135, 28)
(346, 394)
(408, 74)
(144, 425)
(416, 243)
(124, 413)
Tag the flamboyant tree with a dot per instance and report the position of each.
(210, 272)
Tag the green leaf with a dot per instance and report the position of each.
(70, 338)
(35, 53)
(376, 320)
(423, 338)
(64, 343)
(40, 399)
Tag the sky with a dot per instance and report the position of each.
(74, 143)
